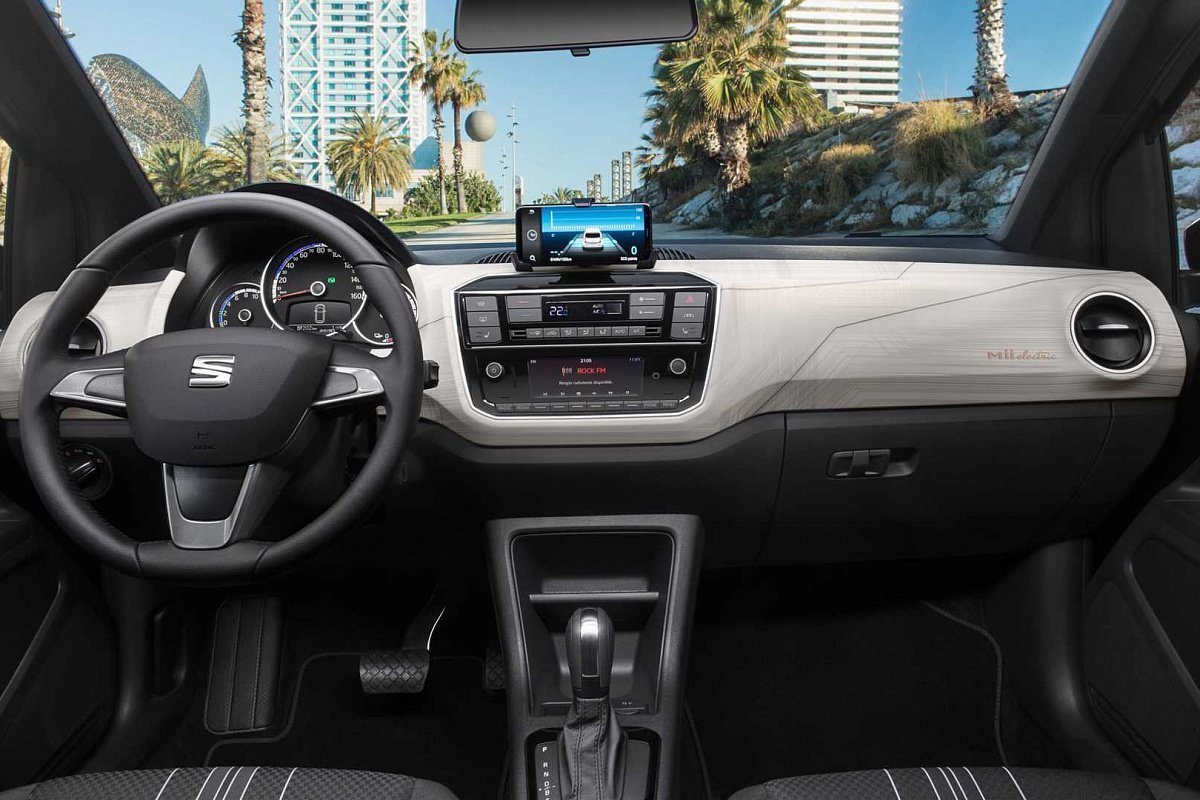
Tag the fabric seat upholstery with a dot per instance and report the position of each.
(962, 783)
(233, 783)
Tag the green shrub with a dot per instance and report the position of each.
(424, 199)
(845, 169)
(768, 175)
(938, 140)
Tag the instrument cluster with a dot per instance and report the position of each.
(306, 286)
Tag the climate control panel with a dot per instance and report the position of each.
(562, 347)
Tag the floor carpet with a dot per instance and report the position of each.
(453, 732)
(841, 688)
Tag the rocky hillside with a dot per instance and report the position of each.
(791, 192)
(1183, 135)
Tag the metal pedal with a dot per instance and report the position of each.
(495, 677)
(405, 671)
(394, 671)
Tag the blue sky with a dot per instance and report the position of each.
(576, 114)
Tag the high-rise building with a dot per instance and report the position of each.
(342, 56)
(849, 49)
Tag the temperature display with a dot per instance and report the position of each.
(581, 310)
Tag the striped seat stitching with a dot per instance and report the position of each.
(205, 784)
(246, 788)
(1013, 778)
(287, 782)
(221, 785)
(232, 781)
(893, 782)
(164, 786)
(956, 780)
(936, 793)
(953, 793)
(977, 787)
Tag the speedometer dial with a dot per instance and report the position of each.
(310, 287)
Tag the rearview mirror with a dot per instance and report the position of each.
(501, 26)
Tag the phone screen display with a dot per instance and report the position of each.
(616, 233)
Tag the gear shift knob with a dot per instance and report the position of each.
(590, 653)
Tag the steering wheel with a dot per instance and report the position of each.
(226, 411)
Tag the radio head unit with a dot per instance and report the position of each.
(567, 348)
(585, 235)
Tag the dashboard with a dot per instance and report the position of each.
(672, 354)
(761, 393)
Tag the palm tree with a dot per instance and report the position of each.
(369, 156)
(431, 68)
(677, 111)
(182, 169)
(253, 42)
(560, 196)
(734, 78)
(465, 92)
(990, 90)
(5, 161)
(230, 151)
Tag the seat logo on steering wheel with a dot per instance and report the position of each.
(211, 372)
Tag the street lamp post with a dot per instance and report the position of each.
(516, 181)
(504, 176)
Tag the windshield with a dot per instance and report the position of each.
(797, 118)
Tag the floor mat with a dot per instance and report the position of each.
(840, 688)
(453, 732)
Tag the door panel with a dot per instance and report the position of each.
(1141, 638)
(57, 657)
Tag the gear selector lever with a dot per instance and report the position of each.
(590, 653)
(592, 745)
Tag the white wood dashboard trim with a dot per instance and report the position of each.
(789, 336)
(820, 335)
(125, 316)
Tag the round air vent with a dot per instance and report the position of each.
(86, 340)
(1113, 332)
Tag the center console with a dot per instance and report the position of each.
(594, 614)
(575, 344)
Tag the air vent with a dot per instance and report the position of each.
(1113, 332)
(502, 257)
(673, 254)
(86, 341)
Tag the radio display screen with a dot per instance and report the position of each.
(586, 377)
(582, 310)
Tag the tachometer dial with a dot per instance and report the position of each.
(310, 287)
(239, 306)
(371, 327)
